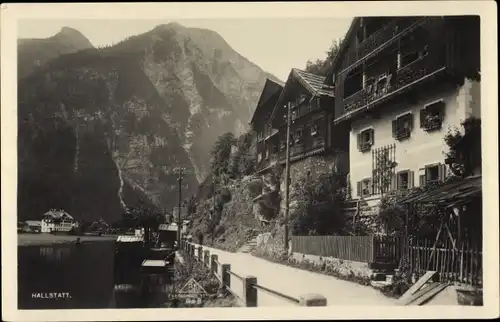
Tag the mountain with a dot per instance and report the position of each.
(33, 53)
(100, 129)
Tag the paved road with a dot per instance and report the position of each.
(294, 282)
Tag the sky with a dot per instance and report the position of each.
(276, 44)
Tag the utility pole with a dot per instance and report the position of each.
(180, 172)
(287, 175)
(213, 193)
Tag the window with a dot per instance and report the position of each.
(365, 187)
(365, 140)
(353, 83)
(402, 126)
(378, 85)
(298, 136)
(432, 116)
(433, 174)
(369, 82)
(314, 129)
(404, 180)
(301, 98)
(410, 55)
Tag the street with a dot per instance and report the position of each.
(294, 282)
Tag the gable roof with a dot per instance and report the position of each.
(315, 84)
(271, 87)
(33, 222)
(56, 214)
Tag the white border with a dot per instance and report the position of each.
(10, 13)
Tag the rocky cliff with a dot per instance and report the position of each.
(101, 128)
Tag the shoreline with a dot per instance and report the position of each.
(46, 239)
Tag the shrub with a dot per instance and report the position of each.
(319, 206)
(255, 188)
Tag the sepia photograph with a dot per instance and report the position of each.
(231, 162)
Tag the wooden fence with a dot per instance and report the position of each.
(454, 263)
(367, 249)
(249, 285)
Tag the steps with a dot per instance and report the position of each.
(381, 278)
(249, 246)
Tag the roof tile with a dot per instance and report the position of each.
(314, 82)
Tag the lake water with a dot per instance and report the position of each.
(79, 277)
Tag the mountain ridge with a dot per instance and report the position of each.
(145, 105)
(35, 52)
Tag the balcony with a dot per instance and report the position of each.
(392, 31)
(304, 108)
(401, 81)
(318, 143)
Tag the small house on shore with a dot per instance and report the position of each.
(32, 226)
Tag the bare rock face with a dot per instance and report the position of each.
(101, 128)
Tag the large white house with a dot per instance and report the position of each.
(57, 221)
(401, 83)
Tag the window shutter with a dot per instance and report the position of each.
(318, 102)
(372, 136)
(422, 180)
(441, 111)
(410, 121)
(423, 114)
(370, 187)
(442, 172)
(359, 140)
(411, 184)
(394, 127)
(359, 188)
(395, 182)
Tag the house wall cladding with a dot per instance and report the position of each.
(422, 148)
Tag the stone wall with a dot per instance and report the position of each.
(314, 166)
(342, 267)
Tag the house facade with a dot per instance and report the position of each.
(57, 221)
(400, 84)
(260, 123)
(312, 133)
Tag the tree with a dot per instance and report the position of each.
(221, 154)
(243, 160)
(320, 203)
(322, 66)
(459, 151)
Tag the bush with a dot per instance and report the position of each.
(255, 188)
(319, 206)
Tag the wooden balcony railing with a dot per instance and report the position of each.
(302, 109)
(394, 30)
(404, 77)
